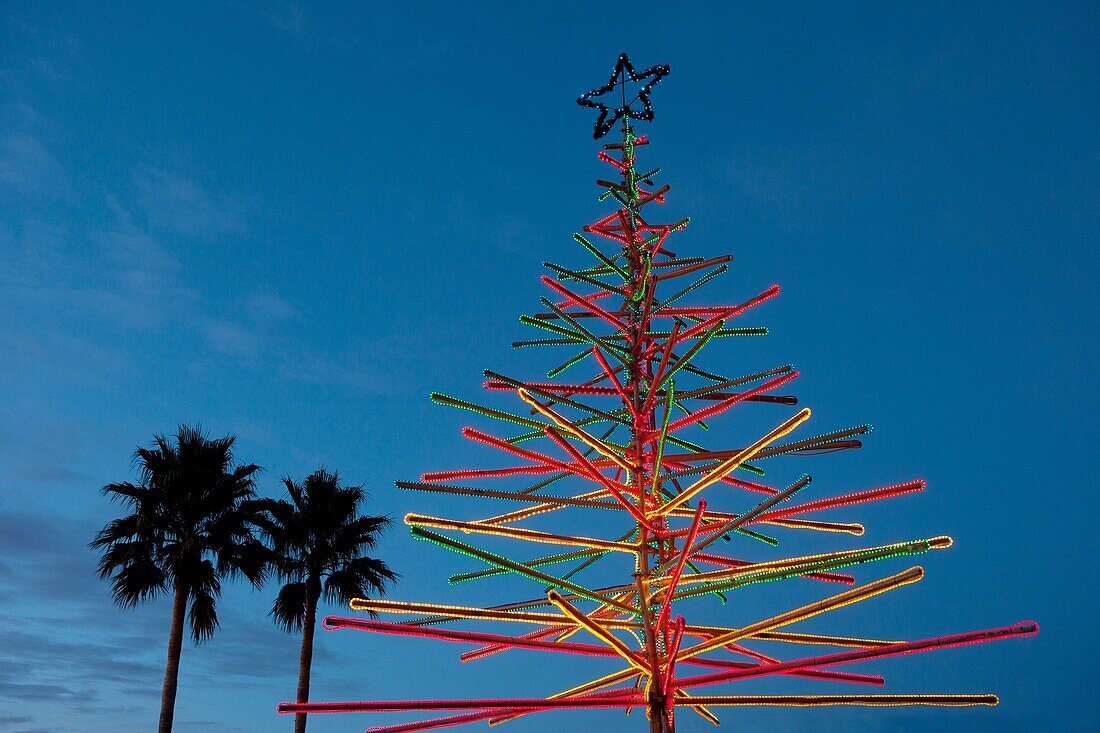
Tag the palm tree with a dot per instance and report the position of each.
(318, 540)
(190, 528)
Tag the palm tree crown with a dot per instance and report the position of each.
(318, 541)
(190, 526)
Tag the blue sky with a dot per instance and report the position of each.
(292, 221)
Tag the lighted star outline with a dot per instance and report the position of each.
(609, 115)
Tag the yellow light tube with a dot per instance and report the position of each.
(551, 504)
(377, 605)
(598, 631)
(912, 575)
(592, 442)
(730, 464)
(702, 711)
(855, 595)
(602, 612)
(596, 684)
(851, 528)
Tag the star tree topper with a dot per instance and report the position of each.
(624, 71)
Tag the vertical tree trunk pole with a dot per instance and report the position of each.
(172, 667)
(638, 377)
(305, 659)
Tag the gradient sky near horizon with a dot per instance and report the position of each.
(292, 221)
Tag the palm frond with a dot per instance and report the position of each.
(191, 525)
(203, 615)
(136, 582)
(289, 608)
(320, 537)
(250, 558)
(357, 579)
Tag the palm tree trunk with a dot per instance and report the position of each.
(172, 668)
(305, 659)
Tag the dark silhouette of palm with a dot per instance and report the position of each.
(318, 540)
(190, 528)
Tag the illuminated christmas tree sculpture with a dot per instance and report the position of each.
(620, 439)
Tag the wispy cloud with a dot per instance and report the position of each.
(287, 17)
(15, 719)
(181, 206)
(797, 189)
(268, 307)
(230, 338)
(301, 22)
(247, 328)
(68, 647)
(28, 167)
(48, 584)
(72, 291)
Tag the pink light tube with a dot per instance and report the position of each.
(595, 475)
(507, 447)
(608, 159)
(730, 402)
(434, 723)
(685, 553)
(534, 640)
(1023, 628)
(822, 700)
(382, 627)
(466, 718)
(613, 379)
(884, 492)
(583, 303)
(673, 650)
(725, 315)
(822, 674)
(662, 366)
(396, 706)
(459, 474)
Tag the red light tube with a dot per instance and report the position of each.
(884, 492)
(1023, 628)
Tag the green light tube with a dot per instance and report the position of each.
(660, 452)
(546, 342)
(584, 278)
(505, 563)
(686, 358)
(855, 557)
(550, 326)
(692, 369)
(785, 369)
(614, 349)
(601, 256)
(555, 398)
(811, 443)
(576, 359)
(697, 284)
(442, 399)
(548, 560)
